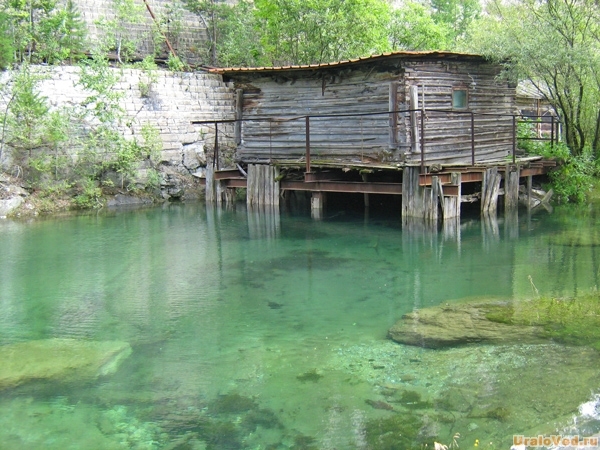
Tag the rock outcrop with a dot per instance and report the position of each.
(462, 323)
(59, 360)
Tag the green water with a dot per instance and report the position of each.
(256, 331)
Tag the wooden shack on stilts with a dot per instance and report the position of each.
(436, 128)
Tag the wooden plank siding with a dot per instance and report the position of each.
(285, 103)
(448, 135)
(277, 100)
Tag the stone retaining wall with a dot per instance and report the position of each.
(170, 104)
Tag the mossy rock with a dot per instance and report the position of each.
(489, 321)
(574, 321)
(63, 360)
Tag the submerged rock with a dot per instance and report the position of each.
(59, 359)
(463, 323)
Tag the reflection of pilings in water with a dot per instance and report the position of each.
(415, 231)
(511, 224)
(264, 222)
(489, 229)
(451, 230)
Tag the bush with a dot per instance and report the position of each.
(573, 179)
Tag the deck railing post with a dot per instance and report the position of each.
(551, 130)
(307, 144)
(514, 138)
(472, 138)
(216, 150)
(423, 141)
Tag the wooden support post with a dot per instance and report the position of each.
(393, 107)
(317, 204)
(262, 186)
(412, 193)
(414, 126)
(451, 208)
(422, 141)
(489, 191)
(216, 149)
(239, 105)
(472, 138)
(432, 198)
(511, 189)
(307, 125)
(209, 190)
(514, 139)
(365, 196)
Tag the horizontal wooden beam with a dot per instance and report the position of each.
(344, 187)
(445, 178)
(235, 183)
(227, 174)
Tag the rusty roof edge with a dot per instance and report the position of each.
(390, 55)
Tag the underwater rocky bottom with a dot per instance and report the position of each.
(376, 396)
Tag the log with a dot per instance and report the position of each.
(451, 206)
(511, 188)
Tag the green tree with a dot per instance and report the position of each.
(39, 31)
(240, 39)
(413, 28)
(33, 134)
(62, 36)
(456, 15)
(116, 29)
(7, 48)
(556, 45)
(315, 31)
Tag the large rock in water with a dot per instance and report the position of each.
(462, 323)
(59, 359)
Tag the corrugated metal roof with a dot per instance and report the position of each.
(400, 54)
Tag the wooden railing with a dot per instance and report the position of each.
(422, 114)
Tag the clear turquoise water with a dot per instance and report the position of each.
(251, 330)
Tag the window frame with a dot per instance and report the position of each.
(456, 89)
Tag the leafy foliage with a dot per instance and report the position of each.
(39, 31)
(413, 27)
(556, 45)
(116, 35)
(455, 16)
(312, 31)
(7, 49)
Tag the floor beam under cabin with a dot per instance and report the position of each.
(425, 196)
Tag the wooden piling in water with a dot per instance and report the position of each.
(451, 205)
(490, 188)
(412, 193)
(262, 185)
(511, 188)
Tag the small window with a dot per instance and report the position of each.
(460, 98)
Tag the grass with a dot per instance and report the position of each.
(573, 321)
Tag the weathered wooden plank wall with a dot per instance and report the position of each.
(275, 104)
(359, 91)
(448, 136)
